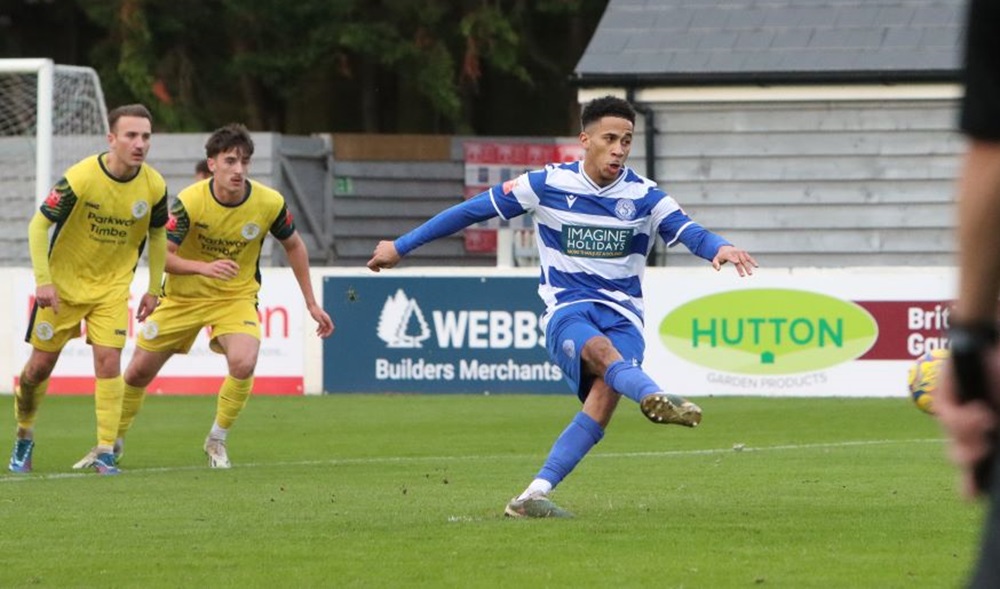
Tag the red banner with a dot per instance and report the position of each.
(907, 329)
(488, 163)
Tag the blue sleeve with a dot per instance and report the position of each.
(476, 209)
(700, 241)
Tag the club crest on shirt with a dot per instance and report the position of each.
(569, 348)
(250, 231)
(140, 208)
(625, 209)
(150, 329)
(44, 331)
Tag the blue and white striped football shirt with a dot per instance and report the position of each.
(592, 241)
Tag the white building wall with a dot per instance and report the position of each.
(823, 176)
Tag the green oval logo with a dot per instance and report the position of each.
(768, 331)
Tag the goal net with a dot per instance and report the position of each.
(50, 117)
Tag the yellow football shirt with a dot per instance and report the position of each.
(206, 230)
(101, 224)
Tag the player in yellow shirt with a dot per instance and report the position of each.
(215, 233)
(103, 209)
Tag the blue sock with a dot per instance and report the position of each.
(571, 446)
(630, 380)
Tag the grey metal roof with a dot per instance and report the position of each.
(642, 42)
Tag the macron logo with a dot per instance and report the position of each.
(570, 199)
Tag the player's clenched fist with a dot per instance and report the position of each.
(46, 295)
(385, 256)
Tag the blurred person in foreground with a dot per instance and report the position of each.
(969, 397)
(592, 290)
(215, 234)
(104, 208)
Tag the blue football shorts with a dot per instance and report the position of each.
(571, 327)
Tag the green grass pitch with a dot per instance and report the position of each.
(408, 491)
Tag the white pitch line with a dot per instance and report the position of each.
(481, 457)
(770, 448)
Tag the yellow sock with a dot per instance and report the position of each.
(233, 397)
(131, 404)
(108, 400)
(27, 397)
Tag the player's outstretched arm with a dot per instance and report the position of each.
(385, 256)
(740, 258)
(677, 226)
(298, 259)
(478, 208)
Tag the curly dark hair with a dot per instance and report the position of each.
(607, 106)
(223, 139)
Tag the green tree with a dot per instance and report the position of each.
(386, 66)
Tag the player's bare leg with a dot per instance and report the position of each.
(597, 411)
(241, 356)
(28, 395)
(601, 357)
(143, 367)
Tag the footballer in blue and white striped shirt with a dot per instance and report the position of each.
(595, 222)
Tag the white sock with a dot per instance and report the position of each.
(218, 433)
(537, 487)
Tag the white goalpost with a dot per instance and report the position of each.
(50, 116)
